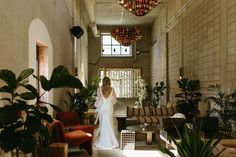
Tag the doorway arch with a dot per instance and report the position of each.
(38, 36)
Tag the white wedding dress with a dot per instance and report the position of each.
(106, 137)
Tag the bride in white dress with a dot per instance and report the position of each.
(106, 98)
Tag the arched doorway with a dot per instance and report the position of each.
(40, 54)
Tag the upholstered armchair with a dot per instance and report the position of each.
(70, 120)
(74, 138)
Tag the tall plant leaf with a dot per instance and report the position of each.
(32, 124)
(7, 89)
(9, 139)
(9, 77)
(45, 83)
(8, 115)
(165, 150)
(65, 81)
(60, 78)
(28, 96)
(56, 108)
(30, 88)
(24, 74)
(192, 145)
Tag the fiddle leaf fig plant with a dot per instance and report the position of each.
(188, 98)
(20, 120)
(158, 93)
(81, 101)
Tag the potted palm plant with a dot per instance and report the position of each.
(224, 105)
(21, 121)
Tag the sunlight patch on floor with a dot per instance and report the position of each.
(143, 153)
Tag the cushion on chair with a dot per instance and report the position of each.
(72, 137)
(158, 111)
(164, 111)
(170, 110)
(130, 111)
(135, 111)
(155, 119)
(71, 121)
(147, 111)
(85, 128)
(68, 118)
(141, 111)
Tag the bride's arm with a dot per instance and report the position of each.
(113, 98)
(97, 104)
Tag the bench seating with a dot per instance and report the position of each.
(149, 114)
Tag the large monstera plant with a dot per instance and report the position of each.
(20, 121)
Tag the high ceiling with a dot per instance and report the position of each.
(109, 12)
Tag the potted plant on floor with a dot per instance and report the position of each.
(224, 106)
(191, 143)
(21, 121)
(81, 101)
(158, 93)
(188, 98)
(142, 91)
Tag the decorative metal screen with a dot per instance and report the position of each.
(123, 80)
(127, 140)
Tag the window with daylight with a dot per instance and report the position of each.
(111, 47)
(123, 81)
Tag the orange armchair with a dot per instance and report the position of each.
(70, 120)
(73, 138)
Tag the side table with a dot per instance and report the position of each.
(59, 149)
(121, 122)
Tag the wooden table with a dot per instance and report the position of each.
(149, 130)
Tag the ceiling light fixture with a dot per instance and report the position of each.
(126, 35)
(139, 7)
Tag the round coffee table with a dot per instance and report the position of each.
(149, 130)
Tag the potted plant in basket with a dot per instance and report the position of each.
(21, 121)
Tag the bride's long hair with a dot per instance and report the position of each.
(106, 86)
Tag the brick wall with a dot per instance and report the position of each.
(201, 44)
(202, 40)
(231, 55)
(158, 61)
(174, 60)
